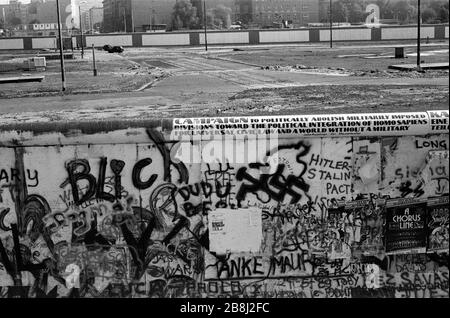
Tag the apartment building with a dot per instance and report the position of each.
(136, 15)
(263, 13)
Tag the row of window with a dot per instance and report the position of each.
(261, 15)
(277, 8)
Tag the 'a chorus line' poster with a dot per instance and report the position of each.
(406, 226)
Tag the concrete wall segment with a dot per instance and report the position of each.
(124, 209)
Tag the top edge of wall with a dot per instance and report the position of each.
(239, 127)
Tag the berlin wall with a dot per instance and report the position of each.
(237, 37)
(308, 206)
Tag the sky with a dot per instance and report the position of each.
(28, 1)
(7, 1)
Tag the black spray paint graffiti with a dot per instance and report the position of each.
(216, 186)
(265, 183)
(163, 225)
(21, 260)
(204, 190)
(159, 141)
(162, 216)
(136, 175)
(222, 177)
(284, 185)
(79, 169)
(14, 176)
(3, 213)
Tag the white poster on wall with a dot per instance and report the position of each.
(369, 124)
(235, 230)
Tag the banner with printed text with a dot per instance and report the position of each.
(375, 124)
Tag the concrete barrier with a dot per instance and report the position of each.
(11, 44)
(347, 35)
(406, 33)
(225, 38)
(45, 43)
(283, 36)
(114, 40)
(165, 39)
(264, 206)
(195, 38)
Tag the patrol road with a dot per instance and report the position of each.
(223, 81)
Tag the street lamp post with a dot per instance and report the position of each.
(94, 68)
(331, 23)
(91, 27)
(81, 30)
(124, 21)
(132, 16)
(61, 48)
(419, 68)
(4, 18)
(204, 22)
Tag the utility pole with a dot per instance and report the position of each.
(132, 16)
(91, 27)
(4, 18)
(419, 18)
(331, 24)
(124, 14)
(81, 31)
(124, 22)
(204, 22)
(94, 67)
(61, 48)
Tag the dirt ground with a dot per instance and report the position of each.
(332, 99)
(128, 71)
(115, 74)
(277, 101)
(371, 87)
(364, 61)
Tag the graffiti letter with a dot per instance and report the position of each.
(137, 181)
(74, 177)
(101, 194)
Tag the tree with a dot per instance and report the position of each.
(340, 13)
(14, 21)
(403, 11)
(177, 23)
(429, 15)
(386, 11)
(356, 12)
(184, 15)
(35, 21)
(198, 5)
(442, 11)
(223, 14)
(219, 17)
(210, 18)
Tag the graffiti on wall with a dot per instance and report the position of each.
(129, 220)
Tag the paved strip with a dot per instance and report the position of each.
(21, 79)
(424, 66)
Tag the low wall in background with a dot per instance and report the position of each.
(11, 44)
(195, 38)
(335, 206)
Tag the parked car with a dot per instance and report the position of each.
(116, 49)
(113, 49)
